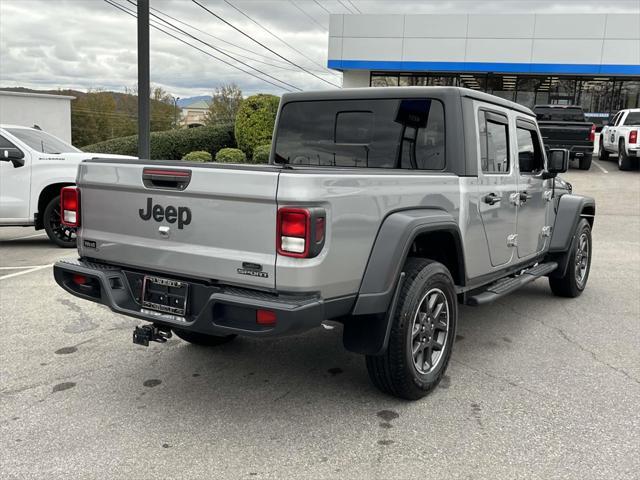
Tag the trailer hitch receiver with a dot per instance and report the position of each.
(150, 333)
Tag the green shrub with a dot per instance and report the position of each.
(171, 144)
(254, 121)
(261, 154)
(198, 156)
(231, 155)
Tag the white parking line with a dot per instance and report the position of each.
(34, 269)
(600, 167)
(26, 236)
(21, 267)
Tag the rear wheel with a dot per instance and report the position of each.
(422, 333)
(58, 233)
(624, 162)
(197, 338)
(585, 162)
(602, 152)
(575, 278)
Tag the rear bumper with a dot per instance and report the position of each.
(214, 310)
(579, 151)
(574, 150)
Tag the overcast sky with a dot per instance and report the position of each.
(89, 44)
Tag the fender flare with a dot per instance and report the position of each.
(367, 329)
(570, 211)
(571, 208)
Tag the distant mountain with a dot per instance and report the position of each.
(183, 102)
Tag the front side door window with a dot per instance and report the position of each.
(531, 200)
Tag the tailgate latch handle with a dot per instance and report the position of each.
(167, 179)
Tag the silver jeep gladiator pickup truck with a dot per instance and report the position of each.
(381, 209)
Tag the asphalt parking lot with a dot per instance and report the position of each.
(538, 387)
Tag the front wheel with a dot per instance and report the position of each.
(202, 339)
(422, 333)
(574, 280)
(585, 162)
(58, 233)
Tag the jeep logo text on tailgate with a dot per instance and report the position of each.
(170, 213)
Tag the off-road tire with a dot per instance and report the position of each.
(624, 162)
(568, 285)
(202, 339)
(60, 235)
(394, 372)
(585, 162)
(603, 154)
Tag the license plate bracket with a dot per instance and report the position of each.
(165, 295)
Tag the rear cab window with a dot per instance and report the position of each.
(406, 134)
(560, 114)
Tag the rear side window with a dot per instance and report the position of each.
(372, 133)
(633, 118)
(530, 159)
(494, 142)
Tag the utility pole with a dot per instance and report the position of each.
(143, 80)
(175, 111)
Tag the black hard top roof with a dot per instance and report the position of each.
(401, 92)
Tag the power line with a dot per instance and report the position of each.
(220, 51)
(227, 42)
(346, 8)
(322, 6)
(113, 4)
(273, 35)
(354, 6)
(176, 30)
(260, 43)
(307, 15)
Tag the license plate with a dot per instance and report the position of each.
(165, 295)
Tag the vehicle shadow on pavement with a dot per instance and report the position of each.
(305, 370)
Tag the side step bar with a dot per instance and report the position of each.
(509, 284)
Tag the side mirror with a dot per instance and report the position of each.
(558, 160)
(13, 155)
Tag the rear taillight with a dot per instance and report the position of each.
(300, 232)
(592, 133)
(70, 206)
(633, 136)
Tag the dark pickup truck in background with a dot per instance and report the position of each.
(565, 126)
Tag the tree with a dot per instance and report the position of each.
(224, 105)
(254, 122)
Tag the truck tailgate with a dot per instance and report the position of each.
(220, 226)
(559, 133)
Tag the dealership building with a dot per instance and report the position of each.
(591, 60)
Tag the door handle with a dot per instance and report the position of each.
(524, 196)
(491, 199)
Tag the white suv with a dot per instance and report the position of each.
(622, 136)
(34, 166)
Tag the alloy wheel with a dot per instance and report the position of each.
(62, 232)
(582, 259)
(430, 330)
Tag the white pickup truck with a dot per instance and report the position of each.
(621, 137)
(34, 166)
